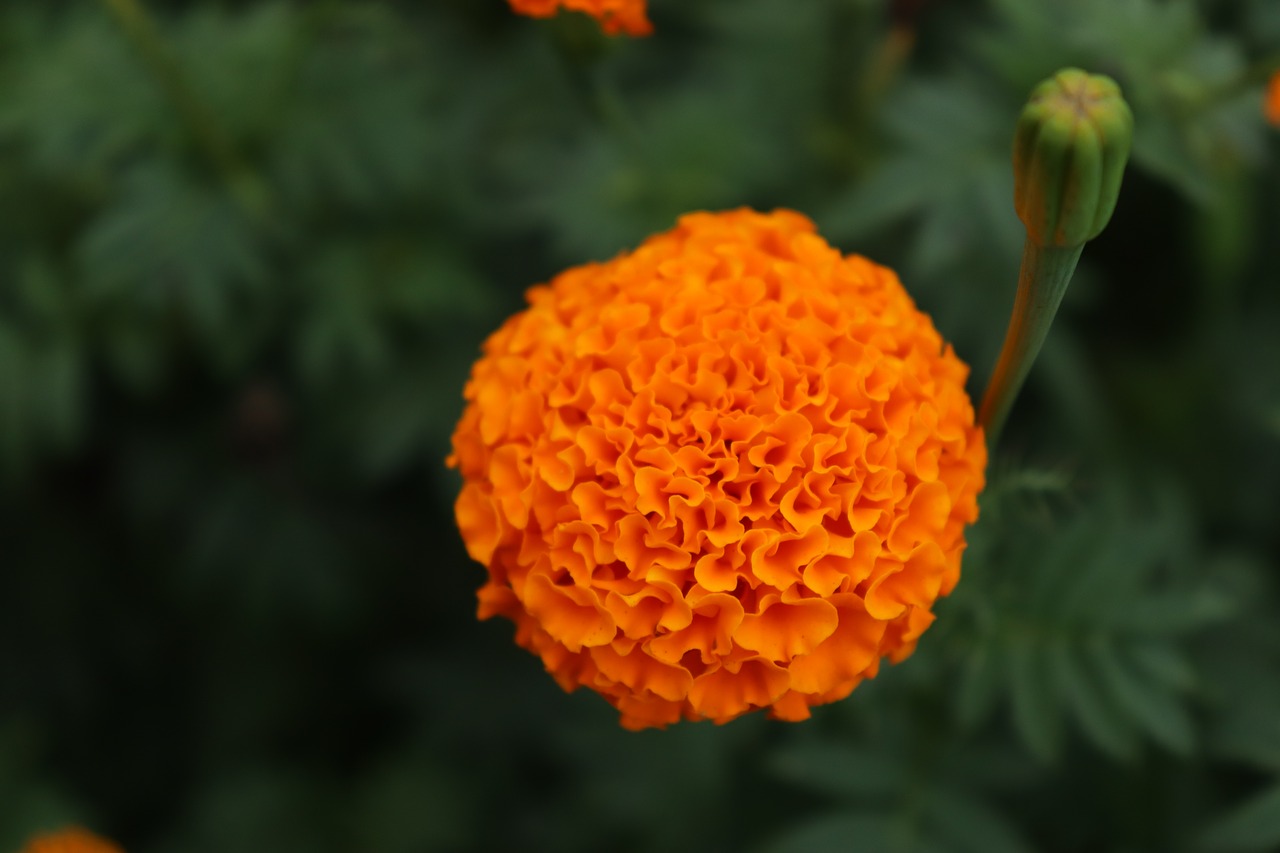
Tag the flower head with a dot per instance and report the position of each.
(729, 470)
(1271, 107)
(615, 16)
(73, 840)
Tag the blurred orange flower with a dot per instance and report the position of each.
(1271, 107)
(615, 16)
(729, 470)
(73, 840)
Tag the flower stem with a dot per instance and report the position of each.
(1042, 281)
(142, 32)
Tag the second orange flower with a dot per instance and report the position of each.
(72, 840)
(615, 16)
(1271, 105)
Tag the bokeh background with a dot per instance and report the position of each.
(248, 251)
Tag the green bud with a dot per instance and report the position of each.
(1069, 154)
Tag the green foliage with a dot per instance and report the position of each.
(243, 278)
(28, 799)
(1088, 620)
(1252, 826)
(888, 792)
(958, 184)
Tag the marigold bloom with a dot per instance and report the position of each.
(729, 470)
(1271, 107)
(615, 16)
(74, 840)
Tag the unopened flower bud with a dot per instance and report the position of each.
(1069, 154)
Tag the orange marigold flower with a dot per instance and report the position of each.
(729, 470)
(1272, 105)
(615, 16)
(73, 840)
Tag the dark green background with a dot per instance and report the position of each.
(241, 282)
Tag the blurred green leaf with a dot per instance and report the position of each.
(969, 825)
(262, 810)
(1153, 707)
(1253, 826)
(76, 101)
(1105, 723)
(1091, 624)
(1035, 703)
(174, 247)
(959, 184)
(14, 395)
(409, 806)
(838, 771)
(844, 833)
(29, 804)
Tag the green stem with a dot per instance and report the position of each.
(887, 61)
(208, 134)
(1042, 282)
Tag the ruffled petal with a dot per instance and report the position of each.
(729, 470)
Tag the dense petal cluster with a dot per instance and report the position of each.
(729, 470)
(1271, 106)
(72, 840)
(615, 16)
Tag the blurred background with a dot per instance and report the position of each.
(248, 251)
